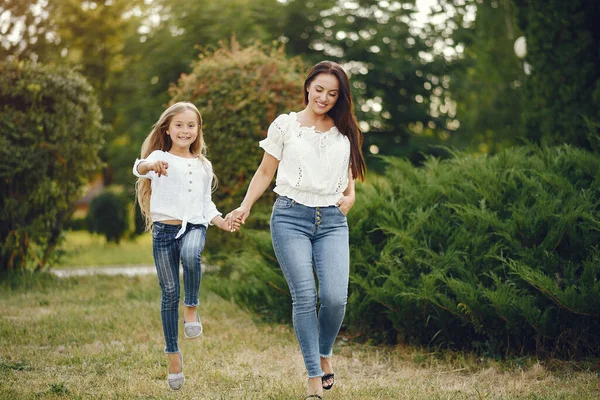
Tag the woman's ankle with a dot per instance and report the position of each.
(315, 386)
(326, 365)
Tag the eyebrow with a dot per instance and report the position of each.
(330, 90)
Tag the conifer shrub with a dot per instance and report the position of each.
(494, 254)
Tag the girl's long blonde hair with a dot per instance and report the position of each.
(158, 139)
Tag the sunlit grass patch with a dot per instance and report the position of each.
(84, 249)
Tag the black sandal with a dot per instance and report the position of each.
(327, 377)
(313, 396)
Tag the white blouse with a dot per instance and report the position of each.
(184, 193)
(313, 166)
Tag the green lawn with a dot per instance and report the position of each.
(100, 337)
(83, 249)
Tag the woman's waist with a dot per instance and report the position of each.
(308, 198)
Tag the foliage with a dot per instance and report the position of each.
(51, 136)
(108, 215)
(397, 77)
(164, 50)
(563, 89)
(485, 77)
(496, 254)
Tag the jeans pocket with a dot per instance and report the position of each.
(158, 232)
(283, 202)
(339, 210)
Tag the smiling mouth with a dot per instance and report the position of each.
(184, 137)
(321, 104)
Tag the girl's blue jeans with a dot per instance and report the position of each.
(168, 253)
(309, 241)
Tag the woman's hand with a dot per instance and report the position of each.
(345, 203)
(238, 215)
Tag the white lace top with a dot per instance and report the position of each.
(184, 194)
(313, 167)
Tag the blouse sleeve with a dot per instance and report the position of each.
(209, 209)
(273, 143)
(155, 155)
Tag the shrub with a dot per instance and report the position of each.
(495, 254)
(109, 216)
(51, 136)
(239, 92)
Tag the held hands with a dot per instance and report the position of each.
(238, 216)
(227, 224)
(345, 203)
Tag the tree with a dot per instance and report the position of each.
(563, 89)
(485, 77)
(51, 136)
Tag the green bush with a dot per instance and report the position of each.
(494, 254)
(239, 92)
(51, 136)
(109, 216)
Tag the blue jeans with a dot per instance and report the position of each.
(303, 238)
(168, 252)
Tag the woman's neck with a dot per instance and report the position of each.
(310, 116)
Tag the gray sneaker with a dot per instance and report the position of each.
(192, 330)
(176, 381)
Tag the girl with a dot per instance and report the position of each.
(317, 153)
(174, 192)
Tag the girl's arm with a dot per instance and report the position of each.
(160, 167)
(260, 182)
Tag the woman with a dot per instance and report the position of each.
(317, 153)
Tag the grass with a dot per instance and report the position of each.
(100, 337)
(83, 249)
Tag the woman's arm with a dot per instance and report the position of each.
(260, 182)
(346, 202)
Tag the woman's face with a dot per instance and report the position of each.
(323, 93)
(183, 129)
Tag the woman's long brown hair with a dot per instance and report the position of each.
(158, 139)
(342, 113)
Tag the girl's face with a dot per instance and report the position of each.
(183, 129)
(323, 93)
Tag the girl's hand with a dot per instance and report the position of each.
(345, 203)
(231, 225)
(224, 224)
(160, 167)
